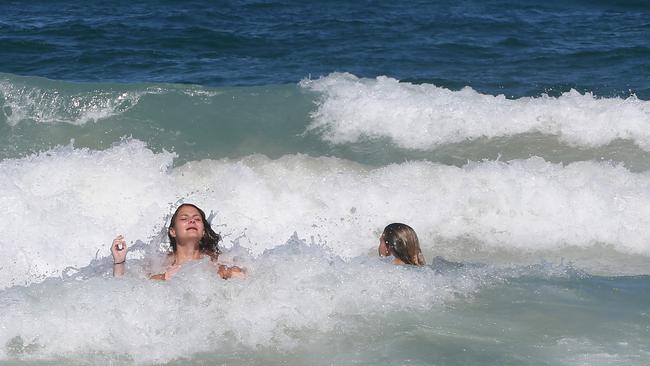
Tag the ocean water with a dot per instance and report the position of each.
(514, 137)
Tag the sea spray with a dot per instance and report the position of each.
(87, 197)
(291, 293)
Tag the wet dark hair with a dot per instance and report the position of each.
(209, 243)
(403, 243)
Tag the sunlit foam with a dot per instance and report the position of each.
(63, 207)
(292, 292)
(426, 116)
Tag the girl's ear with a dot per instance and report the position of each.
(172, 232)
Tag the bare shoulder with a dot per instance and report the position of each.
(227, 272)
(225, 267)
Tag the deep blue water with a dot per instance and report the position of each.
(511, 47)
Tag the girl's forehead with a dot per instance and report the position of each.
(188, 210)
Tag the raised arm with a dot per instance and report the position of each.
(118, 249)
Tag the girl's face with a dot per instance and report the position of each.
(188, 225)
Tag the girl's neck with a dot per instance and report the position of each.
(396, 259)
(186, 253)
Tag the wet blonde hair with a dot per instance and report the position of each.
(403, 243)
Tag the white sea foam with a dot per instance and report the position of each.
(63, 207)
(426, 116)
(291, 293)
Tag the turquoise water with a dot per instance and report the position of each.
(513, 136)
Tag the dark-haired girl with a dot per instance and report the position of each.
(191, 238)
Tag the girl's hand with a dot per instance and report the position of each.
(119, 249)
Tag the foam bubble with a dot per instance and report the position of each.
(426, 116)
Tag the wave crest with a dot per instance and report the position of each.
(74, 105)
(425, 116)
